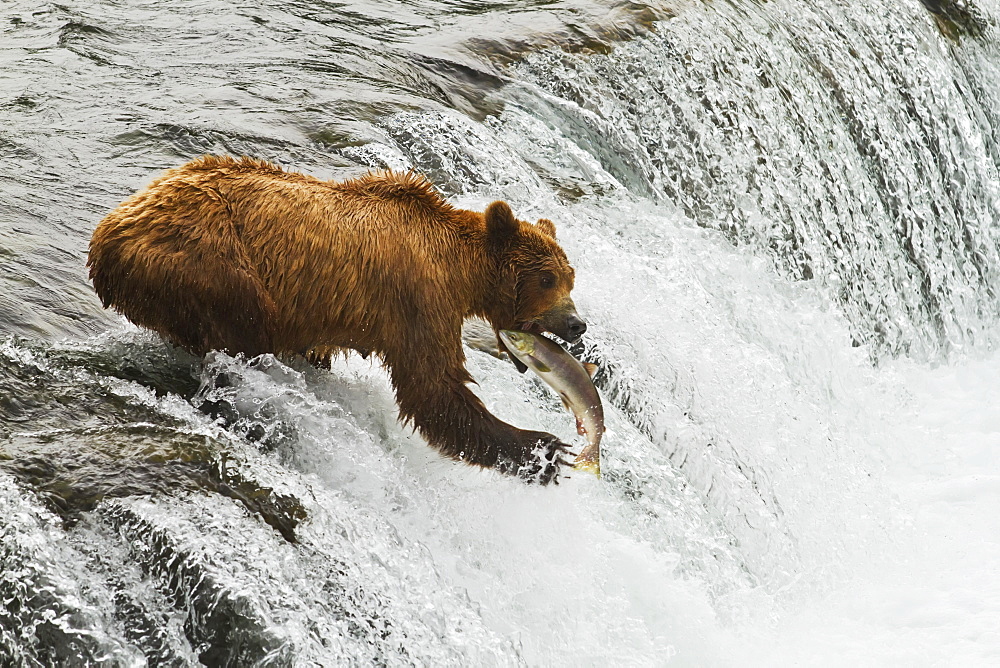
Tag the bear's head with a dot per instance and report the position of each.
(532, 290)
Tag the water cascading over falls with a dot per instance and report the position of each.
(850, 143)
(771, 208)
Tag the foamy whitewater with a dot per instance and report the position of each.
(783, 222)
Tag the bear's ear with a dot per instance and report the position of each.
(546, 226)
(500, 223)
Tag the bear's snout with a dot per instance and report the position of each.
(575, 327)
(563, 321)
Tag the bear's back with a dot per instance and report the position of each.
(258, 191)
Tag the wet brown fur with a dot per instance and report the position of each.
(240, 255)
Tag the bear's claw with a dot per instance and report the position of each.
(544, 460)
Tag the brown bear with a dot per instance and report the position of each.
(240, 255)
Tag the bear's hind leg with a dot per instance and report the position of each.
(200, 301)
(321, 357)
(233, 313)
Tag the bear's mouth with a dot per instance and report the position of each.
(530, 326)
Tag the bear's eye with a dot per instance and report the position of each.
(548, 281)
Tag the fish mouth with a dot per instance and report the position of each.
(529, 326)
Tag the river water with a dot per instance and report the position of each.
(783, 221)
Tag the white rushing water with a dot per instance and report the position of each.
(783, 223)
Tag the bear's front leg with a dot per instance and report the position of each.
(537, 456)
(453, 419)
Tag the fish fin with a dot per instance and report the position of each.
(590, 467)
(565, 402)
(518, 364)
(579, 427)
(591, 369)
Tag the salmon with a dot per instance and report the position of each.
(571, 380)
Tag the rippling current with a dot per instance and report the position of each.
(783, 221)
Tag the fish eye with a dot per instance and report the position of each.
(548, 281)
